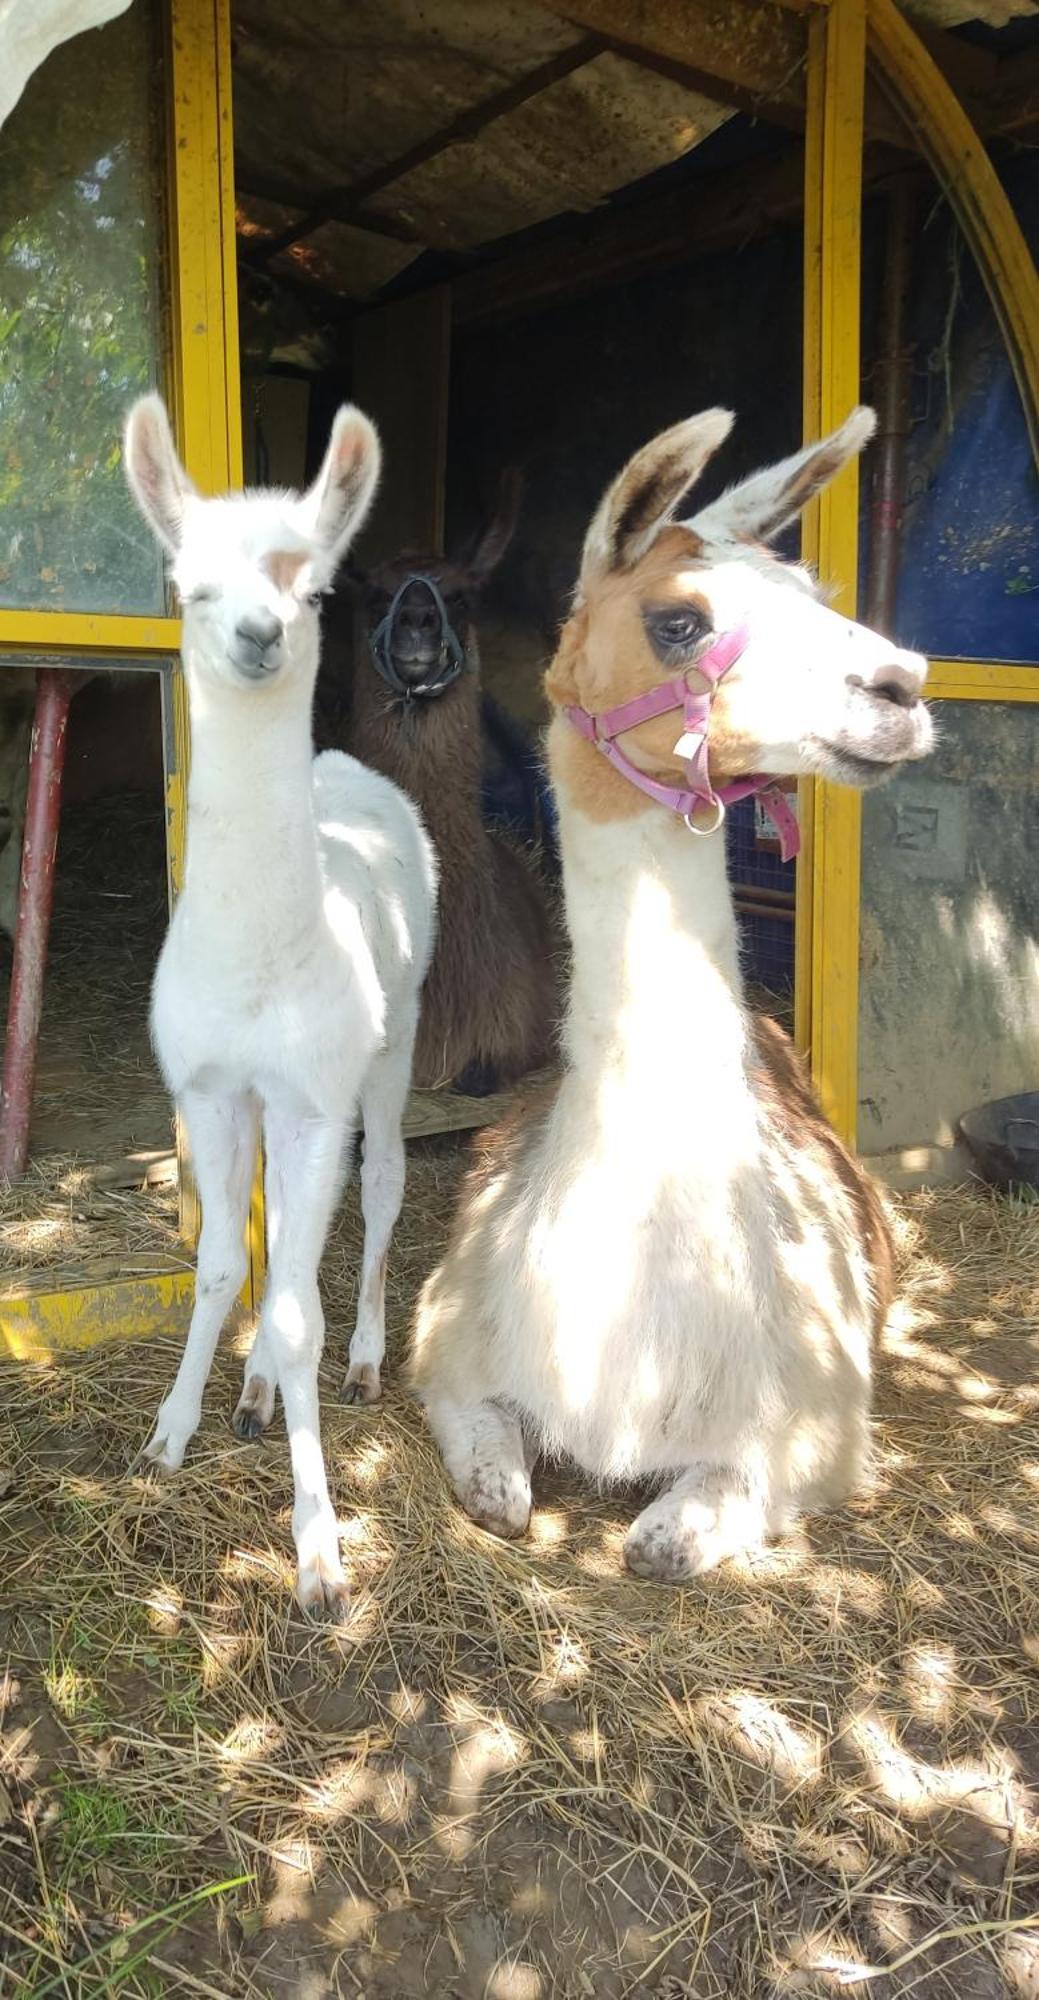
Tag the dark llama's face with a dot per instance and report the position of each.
(416, 647)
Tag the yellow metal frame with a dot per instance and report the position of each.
(827, 910)
(982, 680)
(826, 996)
(206, 401)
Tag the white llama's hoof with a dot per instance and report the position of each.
(363, 1383)
(674, 1541)
(254, 1410)
(163, 1453)
(321, 1588)
(499, 1500)
(323, 1593)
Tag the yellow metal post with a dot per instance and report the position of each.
(827, 934)
(206, 389)
(203, 387)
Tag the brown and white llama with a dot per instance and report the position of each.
(672, 1271)
(490, 1006)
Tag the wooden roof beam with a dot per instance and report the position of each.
(719, 211)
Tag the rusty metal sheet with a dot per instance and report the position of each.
(323, 95)
(568, 148)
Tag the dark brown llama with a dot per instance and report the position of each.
(490, 1003)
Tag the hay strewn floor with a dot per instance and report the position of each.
(519, 1773)
(98, 1096)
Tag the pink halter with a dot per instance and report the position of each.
(692, 748)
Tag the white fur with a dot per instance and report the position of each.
(286, 994)
(659, 1279)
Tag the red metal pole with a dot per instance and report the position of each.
(55, 687)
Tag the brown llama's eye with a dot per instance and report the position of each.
(675, 630)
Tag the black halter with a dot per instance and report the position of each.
(450, 654)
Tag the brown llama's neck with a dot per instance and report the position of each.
(432, 747)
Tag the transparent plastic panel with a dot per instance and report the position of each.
(949, 981)
(81, 244)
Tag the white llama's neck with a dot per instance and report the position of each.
(251, 834)
(656, 1004)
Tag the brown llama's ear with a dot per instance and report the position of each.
(644, 496)
(154, 473)
(759, 507)
(495, 539)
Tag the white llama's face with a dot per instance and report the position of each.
(250, 569)
(812, 690)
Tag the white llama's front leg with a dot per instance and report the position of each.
(708, 1514)
(222, 1134)
(382, 1191)
(482, 1448)
(304, 1161)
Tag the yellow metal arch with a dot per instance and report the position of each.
(946, 136)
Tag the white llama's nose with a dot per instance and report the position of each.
(257, 634)
(898, 678)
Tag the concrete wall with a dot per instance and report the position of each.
(949, 988)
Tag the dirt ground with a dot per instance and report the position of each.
(517, 1772)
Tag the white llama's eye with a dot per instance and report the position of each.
(205, 593)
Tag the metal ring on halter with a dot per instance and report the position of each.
(719, 807)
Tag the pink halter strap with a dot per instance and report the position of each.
(698, 791)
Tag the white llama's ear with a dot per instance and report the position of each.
(759, 507)
(333, 509)
(644, 496)
(155, 474)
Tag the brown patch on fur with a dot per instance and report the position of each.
(491, 996)
(283, 567)
(783, 1089)
(604, 658)
(648, 498)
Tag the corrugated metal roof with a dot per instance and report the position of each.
(337, 100)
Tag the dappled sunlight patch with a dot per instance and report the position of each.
(930, 1682)
(846, 1593)
(988, 1788)
(407, 1704)
(268, 1565)
(294, 1864)
(165, 1610)
(514, 1979)
(366, 1466)
(486, 1747)
(755, 1728)
(70, 1691)
(564, 1665)
(251, 1738)
(355, 1784)
(826, 1961)
(548, 1527)
(353, 1918)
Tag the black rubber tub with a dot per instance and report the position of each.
(1003, 1140)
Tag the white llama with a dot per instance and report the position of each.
(672, 1271)
(287, 992)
